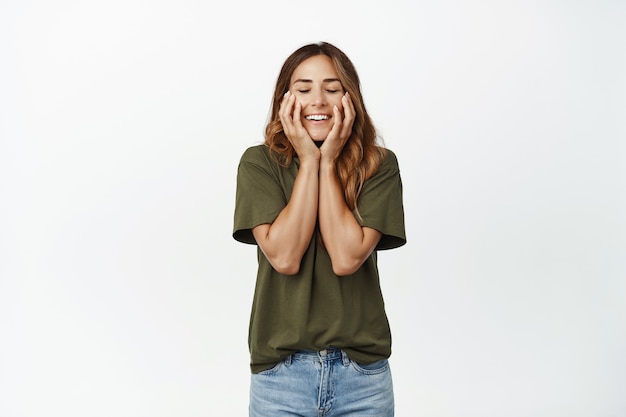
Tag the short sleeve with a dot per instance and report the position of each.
(259, 196)
(380, 204)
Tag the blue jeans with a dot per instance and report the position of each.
(325, 383)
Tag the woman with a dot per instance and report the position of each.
(319, 198)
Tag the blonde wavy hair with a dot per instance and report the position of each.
(361, 156)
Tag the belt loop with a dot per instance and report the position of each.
(344, 357)
(288, 360)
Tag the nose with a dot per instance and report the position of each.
(318, 98)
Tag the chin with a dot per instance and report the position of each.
(318, 136)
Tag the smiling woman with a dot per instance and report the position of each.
(320, 197)
(318, 91)
(360, 156)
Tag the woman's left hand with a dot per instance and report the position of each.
(340, 132)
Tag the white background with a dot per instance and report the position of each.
(122, 292)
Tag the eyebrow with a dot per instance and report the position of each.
(326, 80)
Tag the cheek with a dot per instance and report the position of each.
(339, 105)
(301, 99)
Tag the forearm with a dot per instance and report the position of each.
(285, 240)
(347, 242)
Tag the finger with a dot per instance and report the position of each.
(284, 113)
(300, 130)
(297, 114)
(349, 115)
(283, 103)
(337, 123)
(348, 106)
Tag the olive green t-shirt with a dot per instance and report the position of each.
(315, 308)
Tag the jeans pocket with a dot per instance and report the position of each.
(272, 370)
(373, 368)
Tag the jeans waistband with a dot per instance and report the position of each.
(325, 354)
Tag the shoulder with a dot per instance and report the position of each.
(390, 161)
(256, 154)
(388, 169)
(260, 156)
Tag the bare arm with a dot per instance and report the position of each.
(347, 242)
(285, 240)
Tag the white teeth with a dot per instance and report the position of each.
(317, 117)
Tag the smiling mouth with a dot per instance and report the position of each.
(317, 117)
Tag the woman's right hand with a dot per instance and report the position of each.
(289, 114)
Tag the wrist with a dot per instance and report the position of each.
(310, 161)
(328, 166)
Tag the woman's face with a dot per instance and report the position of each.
(317, 88)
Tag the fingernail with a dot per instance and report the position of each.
(286, 94)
